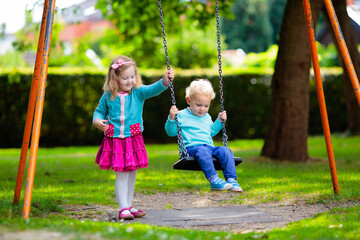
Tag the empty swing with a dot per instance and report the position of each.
(186, 162)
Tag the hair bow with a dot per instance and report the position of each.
(119, 64)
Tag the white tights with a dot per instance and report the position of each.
(124, 188)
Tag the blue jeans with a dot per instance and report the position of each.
(204, 155)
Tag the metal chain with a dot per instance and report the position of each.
(180, 139)
(224, 135)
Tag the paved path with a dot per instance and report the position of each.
(207, 216)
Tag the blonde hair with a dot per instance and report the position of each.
(202, 86)
(112, 79)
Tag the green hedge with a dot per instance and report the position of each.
(72, 96)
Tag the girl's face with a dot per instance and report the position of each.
(199, 104)
(127, 80)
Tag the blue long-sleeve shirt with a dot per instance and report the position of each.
(194, 130)
(125, 111)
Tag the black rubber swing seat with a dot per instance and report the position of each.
(190, 163)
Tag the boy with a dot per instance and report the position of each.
(197, 130)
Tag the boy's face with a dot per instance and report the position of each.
(199, 104)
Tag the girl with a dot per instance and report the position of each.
(119, 116)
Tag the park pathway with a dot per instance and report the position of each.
(208, 216)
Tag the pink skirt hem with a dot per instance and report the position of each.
(122, 154)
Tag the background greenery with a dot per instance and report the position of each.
(255, 24)
(190, 26)
(72, 96)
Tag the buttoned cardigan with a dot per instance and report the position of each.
(126, 110)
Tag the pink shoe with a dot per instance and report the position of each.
(140, 213)
(126, 216)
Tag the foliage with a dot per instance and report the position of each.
(262, 60)
(143, 42)
(190, 28)
(12, 58)
(26, 37)
(27, 42)
(188, 51)
(185, 50)
(253, 28)
(78, 55)
(2, 30)
(68, 176)
(276, 12)
(73, 95)
(184, 22)
(328, 56)
(335, 103)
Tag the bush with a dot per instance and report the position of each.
(72, 96)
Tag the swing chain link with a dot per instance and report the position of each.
(224, 135)
(180, 139)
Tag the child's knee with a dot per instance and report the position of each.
(226, 151)
(204, 151)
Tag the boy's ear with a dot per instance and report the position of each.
(188, 100)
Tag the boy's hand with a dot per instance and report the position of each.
(222, 117)
(173, 112)
(169, 74)
(100, 124)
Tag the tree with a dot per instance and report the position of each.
(353, 110)
(288, 128)
(138, 23)
(27, 40)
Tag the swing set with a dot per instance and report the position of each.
(37, 95)
(186, 162)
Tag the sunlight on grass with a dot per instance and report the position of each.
(262, 180)
(108, 230)
(69, 176)
(345, 148)
(337, 224)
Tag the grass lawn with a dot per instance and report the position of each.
(67, 176)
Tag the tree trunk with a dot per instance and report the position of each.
(288, 128)
(353, 109)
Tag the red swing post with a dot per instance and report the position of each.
(320, 94)
(343, 48)
(35, 108)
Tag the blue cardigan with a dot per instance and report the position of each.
(125, 111)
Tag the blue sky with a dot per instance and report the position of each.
(12, 12)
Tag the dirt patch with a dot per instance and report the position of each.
(289, 211)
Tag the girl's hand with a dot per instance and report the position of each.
(222, 117)
(169, 74)
(100, 124)
(173, 112)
